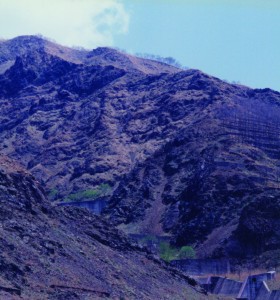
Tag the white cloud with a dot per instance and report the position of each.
(87, 23)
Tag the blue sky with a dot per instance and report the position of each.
(231, 39)
(234, 40)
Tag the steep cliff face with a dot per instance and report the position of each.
(217, 168)
(71, 124)
(184, 154)
(55, 253)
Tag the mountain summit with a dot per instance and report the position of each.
(181, 153)
(102, 56)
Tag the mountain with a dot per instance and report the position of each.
(181, 153)
(102, 56)
(63, 109)
(68, 253)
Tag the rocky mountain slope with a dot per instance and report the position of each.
(57, 119)
(182, 153)
(59, 253)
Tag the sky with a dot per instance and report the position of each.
(236, 40)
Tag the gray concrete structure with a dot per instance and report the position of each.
(198, 267)
(264, 292)
(253, 288)
(253, 284)
(227, 287)
(220, 285)
(95, 206)
(275, 295)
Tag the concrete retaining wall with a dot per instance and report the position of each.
(264, 292)
(95, 206)
(198, 267)
(275, 295)
(252, 285)
(253, 288)
(227, 287)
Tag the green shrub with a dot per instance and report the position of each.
(186, 252)
(167, 252)
(91, 194)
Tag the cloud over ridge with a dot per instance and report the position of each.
(87, 23)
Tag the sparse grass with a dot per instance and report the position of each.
(91, 194)
(53, 193)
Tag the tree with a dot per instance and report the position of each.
(167, 253)
(186, 252)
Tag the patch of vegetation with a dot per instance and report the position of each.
(168, 253)
(53, 193)
(90, 194)
(186, 252)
